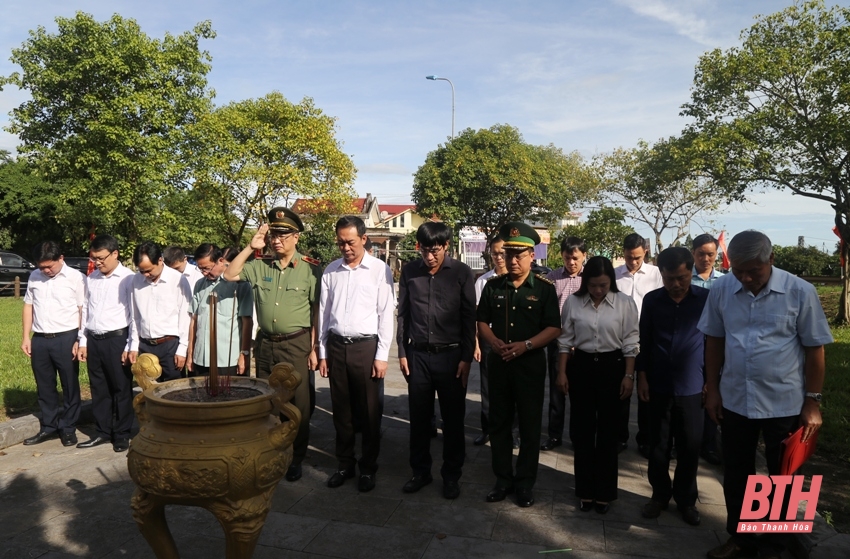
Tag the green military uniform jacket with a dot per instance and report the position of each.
(284, 296)
(516, 314)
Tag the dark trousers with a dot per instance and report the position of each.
(516, 388)
(52, 356)
(111, 387)
(165, 353)
(594, 382)
(680, 418)
(431, 372)
(354, 391)
(295, 352)
(642, 436)
(557, 399)
(203, 371)
(709, 434)
(740, 436)
(484, 377)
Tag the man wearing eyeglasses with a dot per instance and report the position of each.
(286, 292)
(105, 343)
(517, 315)
(436, 343)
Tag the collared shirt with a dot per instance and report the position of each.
(161, 308)
(672, 347)
(481, 282)
(55, 301)
(109, 303)
(357, 301)
(516, 314)
(228, 320)
(285, 296)
(192, 274)
(565, 284)
(637, 285)
(765, 335)
(611, 326)
(697, 280)
(437, 309)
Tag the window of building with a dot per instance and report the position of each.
(402, 220)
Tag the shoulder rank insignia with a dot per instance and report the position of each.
(497, 276)
(541, 277)
(312, 261)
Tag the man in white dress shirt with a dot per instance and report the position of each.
(105, 343)
(52, 307)
(161, 311)
(636, 278)
(356, 307)
(175, 257)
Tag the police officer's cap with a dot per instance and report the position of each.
(519, 235)
(284, 220)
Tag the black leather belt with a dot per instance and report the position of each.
(348, 340)
(52, 335)
(157, 341)
(284, 337)
(434, 348)
(111, 334)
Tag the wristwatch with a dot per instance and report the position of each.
(632, 377)
(816, 396)
(245, 352)
(528, 345)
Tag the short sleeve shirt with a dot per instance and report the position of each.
(516, 314)
(228, 323)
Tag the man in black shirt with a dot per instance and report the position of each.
(436, 341)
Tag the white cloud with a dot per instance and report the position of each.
(686, 24)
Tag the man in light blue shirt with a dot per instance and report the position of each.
(765, 331)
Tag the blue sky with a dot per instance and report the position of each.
(584, 75)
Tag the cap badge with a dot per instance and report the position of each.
(279, 215)
(514, 232)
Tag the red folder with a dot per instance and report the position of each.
(795, 452)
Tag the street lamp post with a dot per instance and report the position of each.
(435, 78)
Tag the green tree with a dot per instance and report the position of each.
(28, 207)
(108, 116)
(406, 248)
(488, 177)
(603, 233)
(774, 111)
(259, 153)
(319, 237)
(657, 186)
(806, 261)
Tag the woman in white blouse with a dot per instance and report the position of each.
(598, 346)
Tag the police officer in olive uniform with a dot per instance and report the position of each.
(518, 316)
(286, 291)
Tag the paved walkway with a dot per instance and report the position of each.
(58, 502)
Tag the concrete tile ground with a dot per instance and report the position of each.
(60, 503)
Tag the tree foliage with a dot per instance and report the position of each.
(258, 153)
(28, 206)
(488, 177)
(774, 111)
(603, 233)
(806, 261)
(320, 216)
(108, 116)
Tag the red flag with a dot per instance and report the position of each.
(721, 241)
(841, 247)
(91, 238)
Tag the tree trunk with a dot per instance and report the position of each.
(844, 303)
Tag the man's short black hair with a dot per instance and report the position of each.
(104, 242)
(149, 249)
(229, 253)
(347, 221)
(570, 244)
(206, 250)
(704, 239)
(172, 255)
(46, 251)
(634, 241)
(433, 233)
(671, 258)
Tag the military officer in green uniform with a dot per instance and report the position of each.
(286, 291)
(518, 316)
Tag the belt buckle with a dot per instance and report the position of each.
(347, 340)
(154, 341)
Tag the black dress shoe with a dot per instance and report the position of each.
(121, 445)
(339, 477)
(498, 494)
(416, 483)
(602, 508)
(68, 439)
(293, 473)
(711, 457)
(95, 441)
(551, 443)
(481, 439)
(524, 497)
(451, 489)
(40, 437)
(690, 515)
(585, 506)
(653, 509)
(367, 483)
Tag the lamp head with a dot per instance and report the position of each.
(431, 77)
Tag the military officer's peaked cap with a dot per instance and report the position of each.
(284, 220)
(518, 235)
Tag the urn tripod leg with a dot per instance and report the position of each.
(149, 514)
(242, 523)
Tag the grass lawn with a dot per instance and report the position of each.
(17, 384)
(835, 438)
